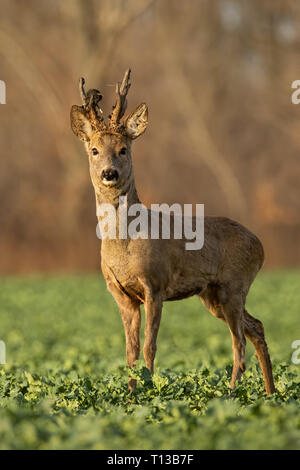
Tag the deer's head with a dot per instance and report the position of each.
(109, 144)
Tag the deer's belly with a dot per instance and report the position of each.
(179, 287)
(179, 294)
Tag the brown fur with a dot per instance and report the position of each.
(153, 271)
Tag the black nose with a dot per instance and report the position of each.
(109, 175)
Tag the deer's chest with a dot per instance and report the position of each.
(121, 281)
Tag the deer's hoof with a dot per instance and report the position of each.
(131, 384)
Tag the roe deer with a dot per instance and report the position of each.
(151, 271)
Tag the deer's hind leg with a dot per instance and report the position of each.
(210, 299)
(233, 314)
(229, 307)
(254, 330)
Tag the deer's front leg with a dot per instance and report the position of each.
(153, 308)
(131, 318)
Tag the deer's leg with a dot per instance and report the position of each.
(254, 330)
(233, 314)
(153, 309)
(131, 318)
(230, 310)
(210, 300)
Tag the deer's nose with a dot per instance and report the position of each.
(109, 174)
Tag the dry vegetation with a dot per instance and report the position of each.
(223, 131)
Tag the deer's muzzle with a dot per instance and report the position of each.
(109, 176)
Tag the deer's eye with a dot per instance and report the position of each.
(94, 151)
(123, 151)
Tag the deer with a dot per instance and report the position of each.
(151, 271)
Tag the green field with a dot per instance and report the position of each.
(65, 382)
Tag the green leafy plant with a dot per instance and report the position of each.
(65, 382)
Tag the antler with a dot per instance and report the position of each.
(90, 101)
(91, 109)
(121, 103)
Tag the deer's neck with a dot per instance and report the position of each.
(113, 197)
(110, 246)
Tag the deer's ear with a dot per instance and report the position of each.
(137, 121)
(80, 123)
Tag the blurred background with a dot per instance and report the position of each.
(216, 75)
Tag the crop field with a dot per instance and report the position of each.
(64, 384)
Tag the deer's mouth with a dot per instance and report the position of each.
(109, 183)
